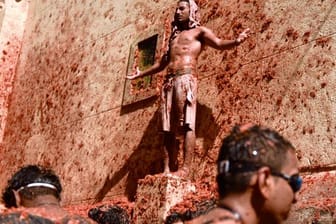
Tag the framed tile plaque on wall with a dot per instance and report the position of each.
(144, 52)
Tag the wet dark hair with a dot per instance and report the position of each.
(201, 208)
(106, 214)
(247, 149)
(28, 175)
(19, 218)
(173, 218)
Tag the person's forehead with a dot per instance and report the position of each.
(183, 4)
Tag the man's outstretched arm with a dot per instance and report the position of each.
(157, 67)
(213, 41)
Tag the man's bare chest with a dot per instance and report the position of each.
(187, 37)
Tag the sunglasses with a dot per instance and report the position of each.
(294, 181)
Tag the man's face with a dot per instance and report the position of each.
(282, 197)
(182, 11)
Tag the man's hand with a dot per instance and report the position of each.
(133, 76)
(243, 36)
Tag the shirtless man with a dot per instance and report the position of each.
(186, 42)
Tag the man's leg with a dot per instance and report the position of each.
(189, 147)
(184, 87)
(168, 147)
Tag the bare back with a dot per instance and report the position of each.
(185, 49)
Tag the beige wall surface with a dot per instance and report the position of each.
(66, 104)
(2, 11)
(13, 15)
(65, 110)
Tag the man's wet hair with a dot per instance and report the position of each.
(174, 218)
(32, 181)
(246, 149)
(19, 218)
(201, 208)
(106, 214)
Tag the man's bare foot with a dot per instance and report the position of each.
(166, 171)
(182, 172)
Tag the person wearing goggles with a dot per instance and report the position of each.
(33, 195)
(258, 177)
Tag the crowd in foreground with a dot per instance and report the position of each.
(257, 181)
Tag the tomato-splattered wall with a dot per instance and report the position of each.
(13, 17)
(64, 108)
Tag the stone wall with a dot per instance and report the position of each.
(13, 17)
(65, 110)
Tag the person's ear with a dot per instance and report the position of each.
(264, 182)
(17, 198)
